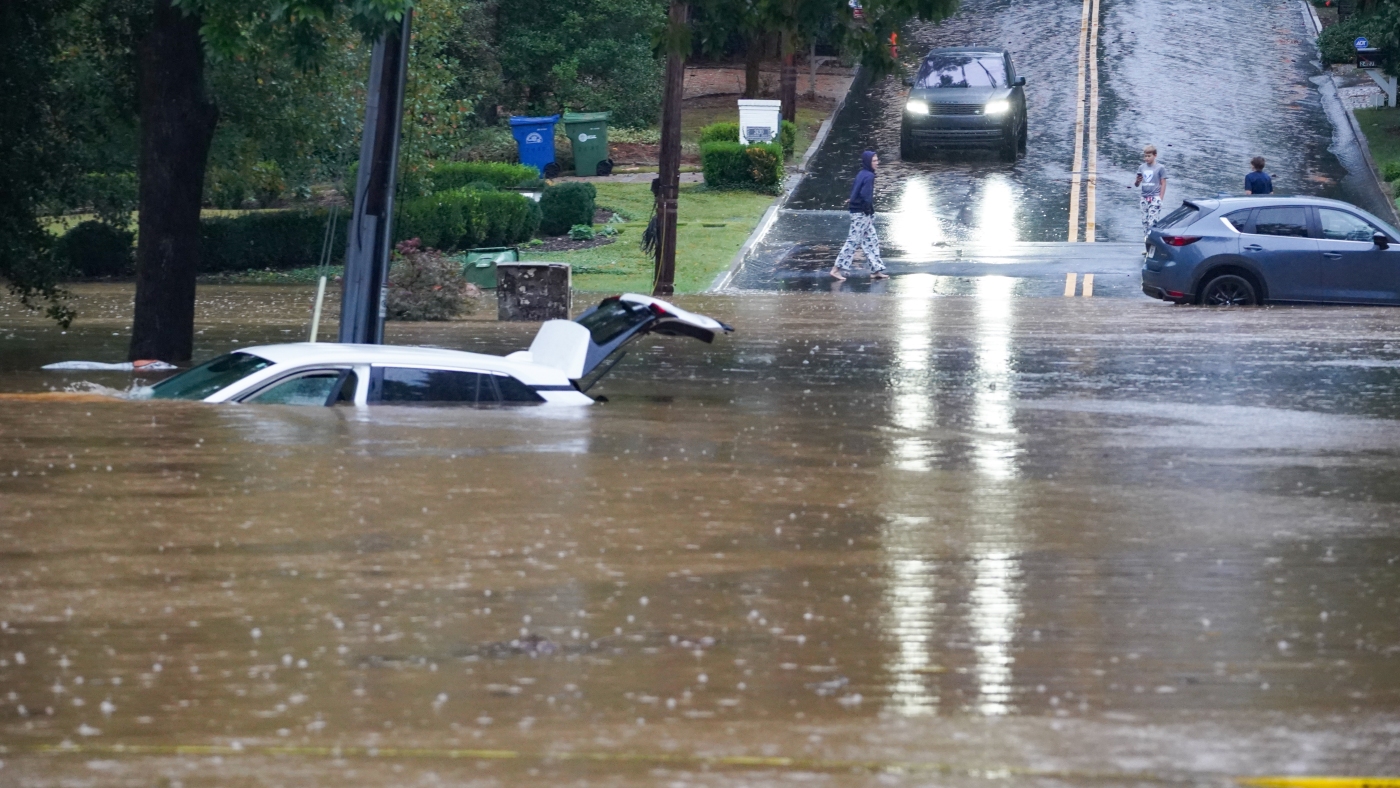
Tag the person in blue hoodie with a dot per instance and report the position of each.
(862, 208)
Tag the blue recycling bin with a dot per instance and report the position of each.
(534, 137)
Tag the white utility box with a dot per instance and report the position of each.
(759, 120)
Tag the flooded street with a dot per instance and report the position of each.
(916, 537)
(1169, 73)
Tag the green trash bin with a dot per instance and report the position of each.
(588, 136)
(479, 268)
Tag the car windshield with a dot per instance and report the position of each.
(962, 71)
(209, 377)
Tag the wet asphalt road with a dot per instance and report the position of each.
(904, 538)
(1211, 85)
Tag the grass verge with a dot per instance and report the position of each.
(713, 225)
(1382, 129)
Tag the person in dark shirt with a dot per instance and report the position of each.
(862, 235)
(1258, 182)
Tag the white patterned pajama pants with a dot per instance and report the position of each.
(1151, 211)
(863, 235)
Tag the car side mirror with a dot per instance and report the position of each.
(1020, 82)
(1379, 239)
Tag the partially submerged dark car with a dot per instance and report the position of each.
(965, 97)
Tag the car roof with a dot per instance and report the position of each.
(1227, 204)
(965, 51)
(337, 353)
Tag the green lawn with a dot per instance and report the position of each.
(702, 252)
(1382, 129)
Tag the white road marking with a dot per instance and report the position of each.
(1089, 197)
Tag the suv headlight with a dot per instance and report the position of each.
(917, 107)
(998, 107)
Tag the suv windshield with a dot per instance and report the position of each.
(962, 71)
(209, 377)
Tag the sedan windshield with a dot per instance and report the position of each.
(209, 377)
(962, 71)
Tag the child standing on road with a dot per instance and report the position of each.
(1152, 177)
(862, 208)
(1258, 182)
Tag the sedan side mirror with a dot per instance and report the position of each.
(1379, 239)
(1020, 82)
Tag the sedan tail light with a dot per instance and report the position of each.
(1180, 240)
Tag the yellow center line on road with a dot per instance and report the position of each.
(1089, 197)
(1076, 172)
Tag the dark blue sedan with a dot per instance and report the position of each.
(1246, 251)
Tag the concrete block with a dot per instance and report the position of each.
(533, 292)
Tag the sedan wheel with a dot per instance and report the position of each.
(1229, 290)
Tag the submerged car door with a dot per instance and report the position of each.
(1278, 243)
(1353, 269)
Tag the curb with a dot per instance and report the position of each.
(766, 223)
(1315, 28)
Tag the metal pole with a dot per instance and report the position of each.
(669, 171)
(371, 224)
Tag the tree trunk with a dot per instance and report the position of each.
(787, 85)
(669, 172)
(177, 127)
(753, 63)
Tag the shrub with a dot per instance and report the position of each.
(729, 165)
(1336, 42)
(581, 232)
(446, 220)
(1390, 171)
(719, 132)
(565, 205)
(729, 132)
(227, 188)
(424, 284)
(489, 143)
(508, 218)
(457, 174)
(95, 249)
(480, 186)
(275, 240)
(787, 136)
(462, 219)
(266, 183)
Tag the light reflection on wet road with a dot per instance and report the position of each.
(1071, 537)
(1178, 75)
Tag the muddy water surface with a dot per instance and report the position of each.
(897, 538)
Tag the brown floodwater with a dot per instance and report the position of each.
(904, 538)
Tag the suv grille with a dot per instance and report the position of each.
(954, 109)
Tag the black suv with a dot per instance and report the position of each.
(965, 96)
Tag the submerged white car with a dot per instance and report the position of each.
(566, 358)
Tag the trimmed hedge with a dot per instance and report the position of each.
(275, 240)
(730, 165)
(96, 249)
(457, 174)
(729, 132)
(719, 132)
(565, 205)
(462, 219)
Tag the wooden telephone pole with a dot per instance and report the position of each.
(669, 171)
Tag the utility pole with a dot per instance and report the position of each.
(372, 221)
(669, 171)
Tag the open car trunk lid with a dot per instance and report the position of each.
(582, 347)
